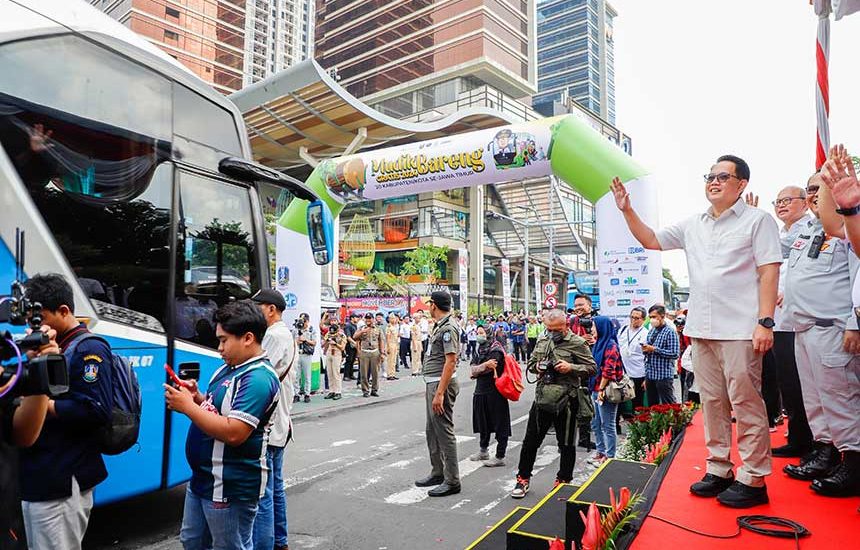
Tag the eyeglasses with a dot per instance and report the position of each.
(812, 189)
(722, 178)
(635, 317)
(786, 201)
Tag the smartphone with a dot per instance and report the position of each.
(175, 378)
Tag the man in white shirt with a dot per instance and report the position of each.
(471, 339)
(733, 257)
(424, 327)
(790, 207)
(405, 333)
(270, 525)
(630, 341)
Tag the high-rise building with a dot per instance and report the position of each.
(228, 43)
(576, 57)
(410, 56)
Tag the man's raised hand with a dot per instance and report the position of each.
(622, 197)
(840, 177)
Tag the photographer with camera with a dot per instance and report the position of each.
(60, 470)
(562, 360)
(305, 335)
(21, 421)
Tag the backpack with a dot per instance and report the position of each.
(122, 431)
(510, 383)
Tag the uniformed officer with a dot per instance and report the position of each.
(371, 351)
(59, 472)
(818, 305)
(440, 375)
(561, 360)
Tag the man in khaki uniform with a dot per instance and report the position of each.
(371, 350)
(440, 375)
(333, 348)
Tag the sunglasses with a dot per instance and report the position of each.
(722, 177)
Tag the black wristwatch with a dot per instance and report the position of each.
(767, 322)
(853, 211)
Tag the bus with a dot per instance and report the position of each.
(132, 177)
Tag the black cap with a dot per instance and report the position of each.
(270, 296)
(368, 315)
(442, 299)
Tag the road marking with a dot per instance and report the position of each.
(403, 464)
(461, 503)
(414, 495)
(344, 442)
(520, 420)
(368, 482)
(464, 438)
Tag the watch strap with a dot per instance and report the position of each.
(854, 210)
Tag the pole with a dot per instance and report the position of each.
(526, 270)
(551, 228)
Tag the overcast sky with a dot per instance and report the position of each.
(698, 79)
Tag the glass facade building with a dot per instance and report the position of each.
(576, 55)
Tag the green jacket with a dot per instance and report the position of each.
(573, 349)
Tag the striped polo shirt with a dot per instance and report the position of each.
(221, 473)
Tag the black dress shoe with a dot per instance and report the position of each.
(374, 394)
(790, 451)
(843, 481)
(711, 485)
(444, 490)
(739, 495)
(824, 460)
(430, 481)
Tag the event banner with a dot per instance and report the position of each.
(377, 304)
(463, 267)
(506, 284)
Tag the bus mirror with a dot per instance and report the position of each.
(320, 232)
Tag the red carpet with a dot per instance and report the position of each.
(834, 523)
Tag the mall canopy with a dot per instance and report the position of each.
(301, 116)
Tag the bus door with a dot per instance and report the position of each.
(217, 261)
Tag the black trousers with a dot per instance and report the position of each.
(405, 352)
(531, 346)
(770, 387)
(349, 364)
(538, 425)
(799, 434)
(501, 443)
(660, 391)
(472, 349)
(519, 351)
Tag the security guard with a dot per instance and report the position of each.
(818, 305)
(371, 352)
(561, 359)
(59, 472)
(440, 375)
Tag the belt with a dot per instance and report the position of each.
(431, 379)
(824, 323)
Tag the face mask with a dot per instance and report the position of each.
(482, 339)
(557, 337)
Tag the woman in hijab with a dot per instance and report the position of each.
(490, 410)
(609, 369)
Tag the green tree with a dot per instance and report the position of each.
(668, 275)
(425, 260)
(380, 280)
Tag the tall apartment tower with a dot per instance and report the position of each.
(408, 56)
(576, 57)
(228, 43)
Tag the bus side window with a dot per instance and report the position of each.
(216, 254)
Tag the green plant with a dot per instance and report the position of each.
(649, 425)
(382, 280)
(425, 260)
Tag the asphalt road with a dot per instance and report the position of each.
(349, 477)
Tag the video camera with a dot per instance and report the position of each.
(546, 369)
(680, 321)
(587, 321)
(44, 375)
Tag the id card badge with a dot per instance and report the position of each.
(799, 244)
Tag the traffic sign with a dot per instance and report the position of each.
(551, 302)
(550, 289)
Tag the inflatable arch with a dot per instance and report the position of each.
(562, 146)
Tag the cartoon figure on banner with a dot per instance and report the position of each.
(283, 277)
(346, 179)
(514, 150)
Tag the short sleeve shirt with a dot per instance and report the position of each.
(723, 255)
(445, 340)
(221, 473)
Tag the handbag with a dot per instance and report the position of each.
(620, 391)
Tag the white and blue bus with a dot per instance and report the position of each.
(130, 176)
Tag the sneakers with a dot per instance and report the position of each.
(521, 489)
(739, 495)
(365, 394)
(596, 459)
(329, 396)
(336, 396)
(711, 485)
(307, 399)
(480, 456)
(374, 394)
(297, 398)
(559, 482)
(494, 462)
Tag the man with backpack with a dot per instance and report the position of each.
(59, 472)
(561, 360)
